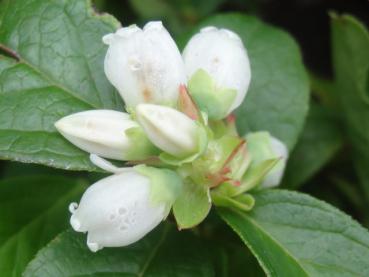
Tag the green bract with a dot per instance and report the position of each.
(215, 101)
(166, 185)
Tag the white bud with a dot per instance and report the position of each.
(222, 55)
(106, 133)
(262, 146)
(144, 65)
(274, 177)
(169, 129)
(122, 208)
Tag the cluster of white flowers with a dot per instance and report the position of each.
(172, 103)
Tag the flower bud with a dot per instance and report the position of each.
(218, 69)
(122, 208)
(144, 65)
(170, 130)
(107, 133)
(262, 146)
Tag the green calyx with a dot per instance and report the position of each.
(210, 98)
(142, 147)
(260, 149)
(166, 184)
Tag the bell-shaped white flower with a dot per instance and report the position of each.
(168, 129)
(122, 208)
(262, 146)
(218, 69)
(144, 65)
(107, 133)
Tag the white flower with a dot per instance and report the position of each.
(121, 209)
(262, 146)
(144, 65)
(221, 54)
(107, 133)
(169, 129)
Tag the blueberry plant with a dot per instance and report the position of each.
(163, 155)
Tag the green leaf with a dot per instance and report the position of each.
(164, 252)
(56, 70)
(318, 143)
(277, 100)
(32, 211)
(293, 234)
(350, 42)
(192, 205)
(178, 15)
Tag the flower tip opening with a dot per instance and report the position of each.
(153, 25)
(208, 29)
(108, 39)
(76, 224)
(93, 246)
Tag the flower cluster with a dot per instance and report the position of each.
(178, 131)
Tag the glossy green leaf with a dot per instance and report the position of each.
(319, 142)
(293, 234)
(192, 205)
(33, 210)
(56, 70)
(350, 41)
(277, 100)
(164, 252)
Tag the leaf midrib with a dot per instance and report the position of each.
(154, 252)
(269, 236)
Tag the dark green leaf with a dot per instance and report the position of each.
(57, 70)
(277, 100)
(164, 252)
(350, 42)
(292, 234)
(33, 210)
(319, 142)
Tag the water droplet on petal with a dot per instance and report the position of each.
(122, 210)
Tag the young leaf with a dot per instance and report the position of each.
(192, 205)
(164, 252)
(350, 42)
(32, 211)
(277, 100)
(56, 70)
(319, 142)
(293, 234)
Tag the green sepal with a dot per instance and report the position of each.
(192, 205)
(244, 202)
(217, 153)
(166, 184)
(260, 148)
(210, 98)
(142, 147)
(221, 128)
(201, 147)
(253, 177)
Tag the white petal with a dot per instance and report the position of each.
(117, 211)
(169, 129)
(101, 132)
(144, 65)
(221, 54)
